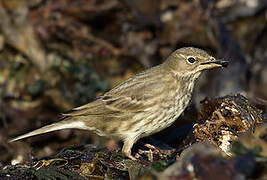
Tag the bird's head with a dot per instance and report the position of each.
(192, 61)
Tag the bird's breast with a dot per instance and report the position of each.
(160, 114)
(166, 113)
(180, 100)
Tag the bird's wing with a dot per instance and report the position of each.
(134, 95)
(124, 103)
(108, 105)
(138, 93)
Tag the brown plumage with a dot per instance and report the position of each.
(142, 105)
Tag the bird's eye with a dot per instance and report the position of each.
(191, 59)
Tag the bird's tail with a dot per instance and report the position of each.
(67, 123)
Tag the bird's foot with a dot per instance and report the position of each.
(130, 156)
(159, 151)
(150, 146)
(155, 151)
(149, 154)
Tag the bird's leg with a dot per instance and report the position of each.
(127, 146)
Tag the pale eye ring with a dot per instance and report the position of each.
(191, 59)
(212, 58)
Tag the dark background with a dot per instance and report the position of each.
(56, 55)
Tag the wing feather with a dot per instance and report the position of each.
(128, 97)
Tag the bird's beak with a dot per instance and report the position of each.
(214, 64)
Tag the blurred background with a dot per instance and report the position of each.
(56, 55)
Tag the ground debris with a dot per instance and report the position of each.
(80, 162)
(222, 120)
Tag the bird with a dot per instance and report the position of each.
(142, 105)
